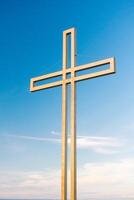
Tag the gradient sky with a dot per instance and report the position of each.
(30, 123)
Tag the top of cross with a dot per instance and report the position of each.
(73, 69)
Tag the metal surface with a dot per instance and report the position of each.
(110, 70)
(64, 81)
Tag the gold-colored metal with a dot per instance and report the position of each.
(64, 124)
(73, 188)
(110, 70)
(64, 81)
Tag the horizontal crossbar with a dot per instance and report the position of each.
(110, 70)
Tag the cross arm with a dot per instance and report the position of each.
(33, 81)
(110, 70)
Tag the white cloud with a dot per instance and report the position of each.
(25, 137)
(106, 180)
(30, 184)
(101, 145)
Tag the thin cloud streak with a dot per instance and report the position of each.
(102, 145)
(25, 137)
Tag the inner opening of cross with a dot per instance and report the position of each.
(68, 50)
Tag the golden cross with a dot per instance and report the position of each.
(72, 80)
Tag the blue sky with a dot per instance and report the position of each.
(30, 123)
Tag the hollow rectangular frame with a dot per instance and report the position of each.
(110, 70)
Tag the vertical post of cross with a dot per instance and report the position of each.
(64, 123)
(72, 118)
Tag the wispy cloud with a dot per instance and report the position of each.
(108, 179)
(102, 145)
(30, 184)
(99, 180)
(25, 137)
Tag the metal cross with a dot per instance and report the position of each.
(64, 81)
